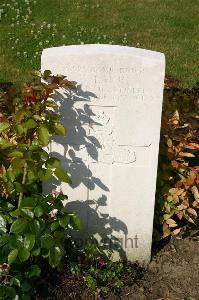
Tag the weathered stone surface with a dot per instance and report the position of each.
(111, 150)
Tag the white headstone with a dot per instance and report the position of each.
(111, 150)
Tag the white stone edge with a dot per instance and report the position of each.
(102, 48)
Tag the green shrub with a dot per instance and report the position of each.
(32, 225)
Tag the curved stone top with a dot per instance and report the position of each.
(105, 49)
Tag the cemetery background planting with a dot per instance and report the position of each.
(26, 27)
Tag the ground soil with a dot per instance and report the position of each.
(173, 274)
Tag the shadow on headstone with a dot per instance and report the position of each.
(77, 121)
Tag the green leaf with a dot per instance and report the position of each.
(50, 103)
(10, 175)
(19, 129)
(3, 240)
(45, 252)
(18, 226)
(55, 256)
(60, 129)
(15, 241)
(15, 281)
(3, 126)
(53, 162)
(75, 222)
(16, 154)
(43, 135)
(29, 241)
(19, 116)
(35, 227)
(36, 251)
(12, 256)
(17, 163)
(46, 74)
(47, 241)
(10, 292)
(36, 73)
(26, 212)
(30, 124)
(37, 117)
(45, 174)
(2, 224)
(64, 221)
(18, 187)
(5, 143)
(62, 175)
(28, 202)
(35, 271)
(26, 287)
(38, 211)
(54, 226)
(15, 213)
(25, 297)
(23, 254)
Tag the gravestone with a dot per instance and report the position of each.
(113, 119)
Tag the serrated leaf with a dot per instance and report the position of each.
(18, 226)
(43, 135)
(62, 175)
(29, 241)
(12, 256)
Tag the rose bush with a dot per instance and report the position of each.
(32, 225)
